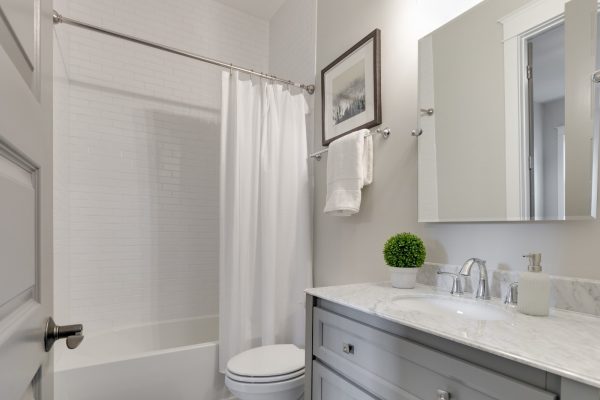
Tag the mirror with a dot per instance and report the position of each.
(509, 113)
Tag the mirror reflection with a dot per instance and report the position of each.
(546, 92)
(509, 113)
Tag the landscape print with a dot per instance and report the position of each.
(348, 93)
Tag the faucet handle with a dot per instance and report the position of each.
(512, 294)
(457, 289)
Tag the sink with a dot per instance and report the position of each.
(448, 306)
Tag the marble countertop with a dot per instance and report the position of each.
(564, 343)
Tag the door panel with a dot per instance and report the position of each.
(20, 16)
(25, 198)
(20, 37)
(18, 241)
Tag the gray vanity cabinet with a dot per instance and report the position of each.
(327, 385)
(354, 355)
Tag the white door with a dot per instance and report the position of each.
(25, 198)
(560, 171)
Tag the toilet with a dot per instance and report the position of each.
(273, 372)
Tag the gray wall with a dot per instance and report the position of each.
(349, 249)
(462, 71)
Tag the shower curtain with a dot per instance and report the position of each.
(265, 236)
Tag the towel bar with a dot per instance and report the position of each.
(383, 132)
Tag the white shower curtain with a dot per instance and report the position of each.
(265, 243)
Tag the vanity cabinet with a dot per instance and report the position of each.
(329, 385)
(355, 355)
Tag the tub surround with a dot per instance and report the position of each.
(559, 344)
(130, 363)
(571, 294)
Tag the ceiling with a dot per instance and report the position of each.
(264, 9)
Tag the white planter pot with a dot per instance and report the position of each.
(404, 278)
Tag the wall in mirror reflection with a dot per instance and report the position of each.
(514, 132)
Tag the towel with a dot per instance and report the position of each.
(349, 169)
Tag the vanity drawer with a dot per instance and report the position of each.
(393, 368)
(327, 385)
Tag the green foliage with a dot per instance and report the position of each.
(404, 250)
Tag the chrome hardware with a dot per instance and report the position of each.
(512, 294)
(417, 132)
(385, 133)
(427, 111)
(61, 19)
(535, 261)
(596, 77)
(348, 348)
(56, 17)
(457, 289)
(73, 334)
(483, 290)
(443, 395)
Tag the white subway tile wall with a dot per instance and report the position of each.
(137, 155)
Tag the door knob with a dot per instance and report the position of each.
(73, 334)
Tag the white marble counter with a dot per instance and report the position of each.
(565, 343)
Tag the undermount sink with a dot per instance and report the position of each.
(447, 306)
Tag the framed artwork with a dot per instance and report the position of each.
(351, 89)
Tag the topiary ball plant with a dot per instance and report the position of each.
(404, 250)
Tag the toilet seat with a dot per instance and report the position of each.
(273, 372)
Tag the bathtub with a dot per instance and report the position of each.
(175, 360)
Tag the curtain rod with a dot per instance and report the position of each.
(60, 19)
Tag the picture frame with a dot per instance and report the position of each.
(351, 90)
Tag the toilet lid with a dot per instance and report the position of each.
(265, 361)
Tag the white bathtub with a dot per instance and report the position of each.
(175, 360)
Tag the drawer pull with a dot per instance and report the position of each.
(443, 395)
(348, 348)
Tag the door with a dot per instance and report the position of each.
(531, 127)
(560, 171)
(25, 198)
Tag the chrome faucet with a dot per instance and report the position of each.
(512, 294)
(457, 289)
(483, 290)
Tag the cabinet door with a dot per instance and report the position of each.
(327, 385)
(392, 367)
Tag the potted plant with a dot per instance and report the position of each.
(404, 253)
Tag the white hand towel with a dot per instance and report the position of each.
(349, 169)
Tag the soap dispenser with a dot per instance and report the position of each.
(534, 288)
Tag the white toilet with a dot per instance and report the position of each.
(267, 373)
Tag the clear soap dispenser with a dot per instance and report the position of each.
(534, 288)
